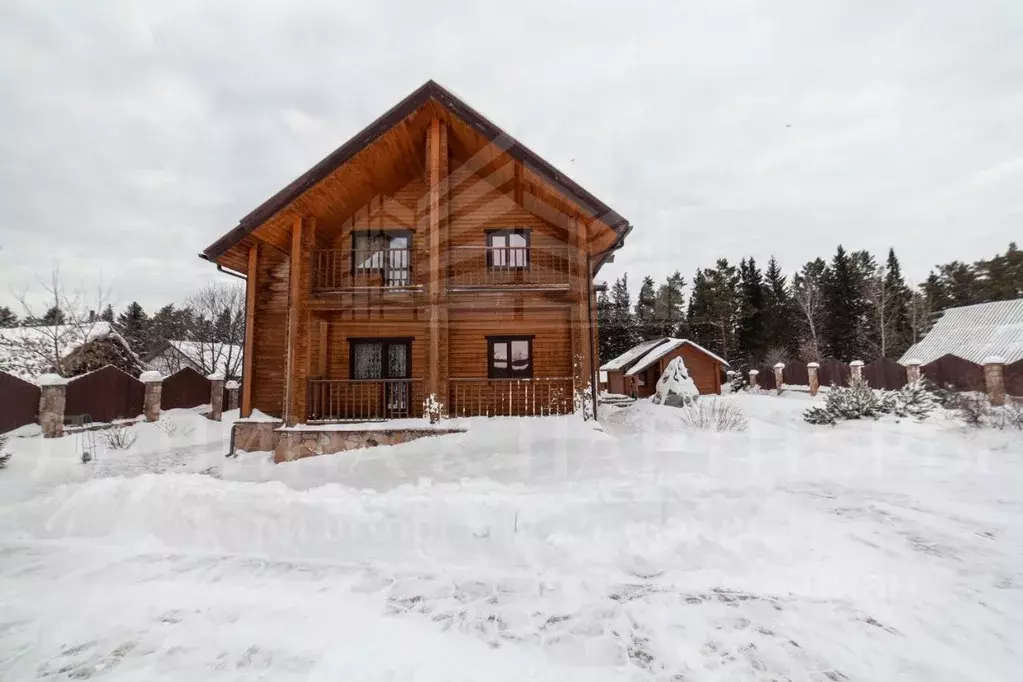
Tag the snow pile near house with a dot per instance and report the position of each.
(675, 388)
(544, 549)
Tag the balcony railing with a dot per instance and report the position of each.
(510, 397)
(341, 269)
(501, 267)
(364, 399)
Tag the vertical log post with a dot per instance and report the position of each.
(753, 379)
(153, 382)
(52, 399)
(913, 370)
(436, 228)
(994, 378)
(216, 396)
(856, 366)
(303, 235)
(779, 370)
(815, 382)
(248, 353)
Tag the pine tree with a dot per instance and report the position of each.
(622, 333)
(714, 308)
(646, 323)
(108, 314)
(605, 327)
(779, 314)
(669, 311)
(898, 301)
(53, 317)
(843, 308)
(133, 325)
(7, 318)
(1001, 277)
(752, 328)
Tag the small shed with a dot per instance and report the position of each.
(638, 369)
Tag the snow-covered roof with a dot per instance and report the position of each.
(663, 349)
(220, 358)
(28, 352)
(628, 356)
(973, 333)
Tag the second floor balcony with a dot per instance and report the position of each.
(468, 268)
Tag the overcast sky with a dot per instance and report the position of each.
(133, 134)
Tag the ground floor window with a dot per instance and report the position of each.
(380, 358)
(510, 357)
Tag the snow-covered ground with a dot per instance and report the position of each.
(542, 549)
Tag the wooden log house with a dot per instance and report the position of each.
(430, 255)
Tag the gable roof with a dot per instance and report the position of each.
(206, 357)
(347, 151)
(662, 349)
(629, 356)
(973, 333)
(27, 352)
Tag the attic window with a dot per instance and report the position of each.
(508, 249)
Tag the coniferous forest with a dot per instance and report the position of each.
(850, 306)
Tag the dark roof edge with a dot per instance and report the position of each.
(388, 120)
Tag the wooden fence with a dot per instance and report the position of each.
(104, 395)
(885, 374)
(950, 370)
(1014, 378)
(185, 388)
(19, 402)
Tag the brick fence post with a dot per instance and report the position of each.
(216, 396)
(913, 370)
(995, 379)
(753, 379)
(857, 371)
(153, 381)
(779, 370)
(232, 387)
(815, 382)
(52, 399)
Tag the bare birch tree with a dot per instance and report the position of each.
(808, 293)
(219, 327)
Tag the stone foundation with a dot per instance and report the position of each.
(298, 443)
(254, 436)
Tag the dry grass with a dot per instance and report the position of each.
(120, 437)
(714, 415)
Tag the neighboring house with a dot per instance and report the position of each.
(973, 333)
(28, 352)
(638, 369)
(430, 255)
(206, 358)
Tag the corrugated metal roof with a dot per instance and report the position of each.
(665, 348)
(973, 333)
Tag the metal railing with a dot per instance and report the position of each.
(500, 267)
(364, 399)
(510, 397)
(380, 268)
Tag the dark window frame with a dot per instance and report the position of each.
(384, 343)
(524, 232)
(382, 232)
(508, 373)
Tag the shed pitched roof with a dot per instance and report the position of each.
(629, 356)
(973, 333)
(344, 153)
(663, 349)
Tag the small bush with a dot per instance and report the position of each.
(120, 437)
(975, 410)
(821, 416)
(912, 400)
(714, 415)
(5, 456)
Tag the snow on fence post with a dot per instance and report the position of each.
(232, 387)
(814, 381)
(913, 370)
(857, 371)
(779, 370)
(753, 379)
(216, 395)
(153, 381)
(994, 379)
(52, 399)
